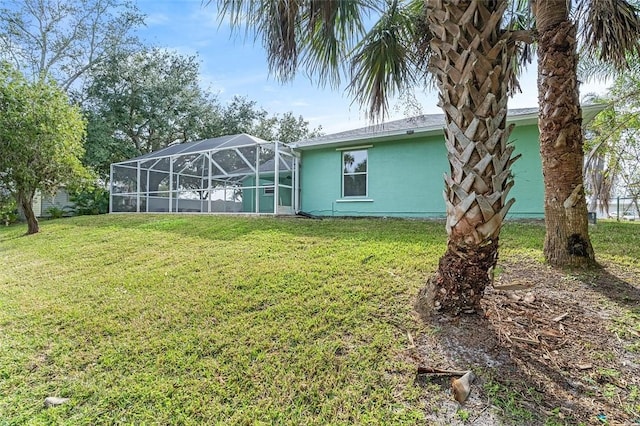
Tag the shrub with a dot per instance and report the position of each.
(55, 212)
(91, 201)
(8, 211)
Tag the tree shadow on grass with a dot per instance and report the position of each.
(237, 227)
(502, 392)
(615, 288)
(561, 358)
(9, 237)
(429, 231)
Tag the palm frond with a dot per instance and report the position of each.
(591, 68)
(332, 29)
(611, 30)
(387, 60)
(519, 16)
(315, 35)
(275, 21)
(283, 20)
(421, 37)
(519, 20)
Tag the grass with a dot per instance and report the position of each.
(509, 402)
(617, 242)
(230, 320)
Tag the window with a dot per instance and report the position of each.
(354, 173)
(269, 190)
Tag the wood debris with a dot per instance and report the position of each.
(440, 372)
(462, 387)
(560, 317)
(525, 340)
(412, 343)
(549, 332)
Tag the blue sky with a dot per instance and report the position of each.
(232, 66)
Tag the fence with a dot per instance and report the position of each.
(620, 208)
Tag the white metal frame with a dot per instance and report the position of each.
(131, 180)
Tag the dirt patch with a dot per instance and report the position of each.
(564, 348)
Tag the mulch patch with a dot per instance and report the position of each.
(566, 344)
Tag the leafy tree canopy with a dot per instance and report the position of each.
(41, 137)
(242, 115)
(139, 103)
(148, 100)
(612, 162)
(136, 99)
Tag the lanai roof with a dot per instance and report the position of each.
(220, 143)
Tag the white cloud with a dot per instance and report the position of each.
(205, 17)
(155, 19)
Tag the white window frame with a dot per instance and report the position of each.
(365, 173)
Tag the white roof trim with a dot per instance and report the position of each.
(588, 112)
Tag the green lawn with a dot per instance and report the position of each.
(231, 320)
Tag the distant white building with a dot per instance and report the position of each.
(43, 202)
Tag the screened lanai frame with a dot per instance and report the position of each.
(230, 174)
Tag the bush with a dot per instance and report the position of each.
(8, 211)
(56, 212)
(92, 201)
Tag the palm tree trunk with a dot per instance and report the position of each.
(567, 240)
(472, 65)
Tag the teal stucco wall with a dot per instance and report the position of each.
(265, 200)
(527, 174)
(406, 178)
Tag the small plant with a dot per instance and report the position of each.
(55, 212)
(463, 415)
(632, 402)
(610, 391)
(608, 373)
(634, 394)
(502, 396)
(555, 419)
(9, 216)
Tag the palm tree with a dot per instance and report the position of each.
(472, 62)
(610, 32)
(464, 45)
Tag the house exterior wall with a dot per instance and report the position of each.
(265, 199)
(527, 174)
(37, 204)
(405, 178)
(43, 202)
